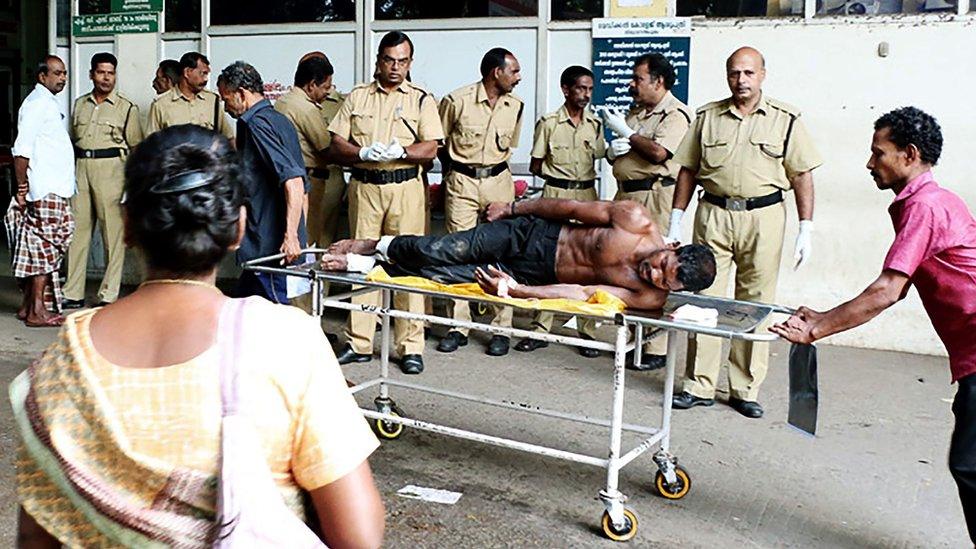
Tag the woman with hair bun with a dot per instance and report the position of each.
(121, 418)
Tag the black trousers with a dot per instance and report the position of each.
(524, 247)
(962, 449)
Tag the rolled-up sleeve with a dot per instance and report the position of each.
(916, 239)
(28, 129)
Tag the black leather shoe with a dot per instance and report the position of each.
(588, 353)
(648, 362)
(412, 364)
(72, 303)
(685, 400)
(748, 408)
(452, 341)
(348, 355)
(528, 345)
(497, 346)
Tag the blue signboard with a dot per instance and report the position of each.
(618, 42)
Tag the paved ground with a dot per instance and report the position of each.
(874, 477)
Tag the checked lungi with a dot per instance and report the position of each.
(39, 234)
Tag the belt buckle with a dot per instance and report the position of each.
(482, 172)
(89, 154)
(736, 204)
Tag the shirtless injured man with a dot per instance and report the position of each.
(545, 248)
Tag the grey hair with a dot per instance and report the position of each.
(241, 76)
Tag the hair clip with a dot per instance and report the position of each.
(183, 181)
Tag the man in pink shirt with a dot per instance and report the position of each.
(934, 250)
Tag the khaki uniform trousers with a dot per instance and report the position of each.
(100, 182)
(324, 203)
(375, 211)
(464, 203)
(658, 202)
(753, 242)
(542, 321)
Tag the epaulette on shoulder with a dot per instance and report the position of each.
(711, 106)
(785, 107)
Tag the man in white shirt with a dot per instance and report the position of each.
(39, 221)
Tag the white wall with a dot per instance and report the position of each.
(447, 60)
(276, 56)
(174, 49)
(833, 73)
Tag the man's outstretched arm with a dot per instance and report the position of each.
(490, 281)
(807, 325)
(630, 216)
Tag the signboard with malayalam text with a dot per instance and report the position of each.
(121, 6)
(114, 23)
(618, 42)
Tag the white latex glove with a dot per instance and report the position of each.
(372, 153)
(804, 244)
(394, 151)
(617, 123)
(618, 147)
(674, 229)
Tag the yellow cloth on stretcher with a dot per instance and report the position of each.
(599, 304)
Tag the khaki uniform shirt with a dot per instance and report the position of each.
(666, 125)
(113, 124)
(568, 151)
(172, 108)
(478, 134)
(746, 157)
(370, 114)
(313, 132)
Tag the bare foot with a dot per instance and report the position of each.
(353, 246)
(46, 320)
(334, 262)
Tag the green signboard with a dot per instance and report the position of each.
(115, 23)
(120, 6)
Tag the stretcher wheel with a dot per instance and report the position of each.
(677, 490)
(626, 533)
(387, 429)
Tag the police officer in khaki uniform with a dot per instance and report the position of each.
(642, 157)
(104, 127)
(745, 151)
(481, 122)
(385, 131)
(566, 144)
(189, 102)
(311, 105)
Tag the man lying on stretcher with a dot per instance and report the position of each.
(545, 248)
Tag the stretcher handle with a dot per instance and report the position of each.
(275, 257)
(782, 309)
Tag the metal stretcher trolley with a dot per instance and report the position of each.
(737, 320)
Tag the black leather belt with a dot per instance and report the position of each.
(383, 177)
(634, 185)
(569, 184)
(98, 153)
(318, 173)
(479, 172)
(743, 204)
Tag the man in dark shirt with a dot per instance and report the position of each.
(274, 177)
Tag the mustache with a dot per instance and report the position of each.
(874, 174)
